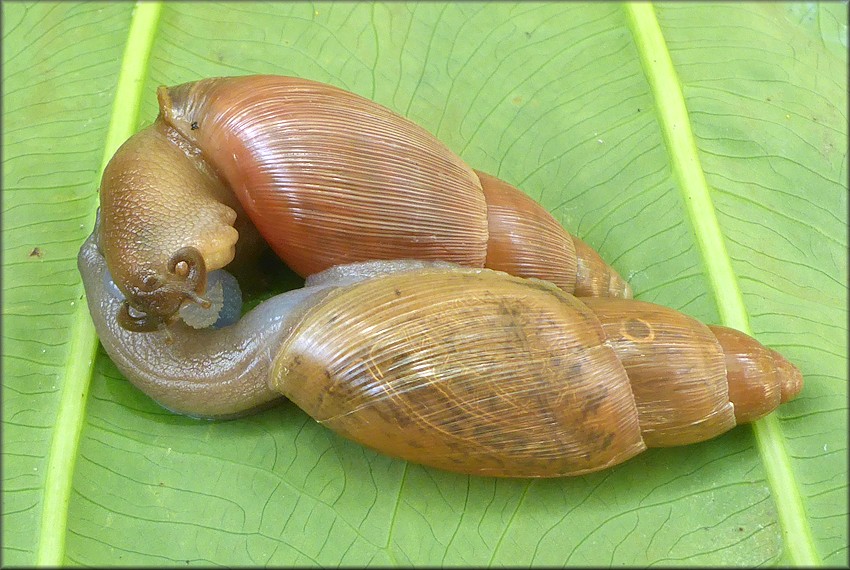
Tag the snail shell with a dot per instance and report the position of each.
(463, 369)
(489, 374)
(327, 177)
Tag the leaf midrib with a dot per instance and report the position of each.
(83, 339)
(675, 125)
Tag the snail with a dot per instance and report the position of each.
(327, 178)
(464, 369)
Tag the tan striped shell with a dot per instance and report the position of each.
(484, 373)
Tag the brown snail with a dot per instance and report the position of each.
(463, 369)
(328, 178)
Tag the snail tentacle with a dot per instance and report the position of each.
(140, 322)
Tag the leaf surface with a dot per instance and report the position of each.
(558, 99)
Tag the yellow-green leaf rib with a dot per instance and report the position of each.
(83, 345)
(681, 144)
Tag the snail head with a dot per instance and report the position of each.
(153, 300)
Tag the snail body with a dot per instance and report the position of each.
(464, 369)
(499, 371)
(327, 178)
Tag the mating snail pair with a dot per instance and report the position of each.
(448, 361)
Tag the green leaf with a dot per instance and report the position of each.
(702, 149)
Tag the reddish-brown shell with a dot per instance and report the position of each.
(329, 177)
(525, 240)
(759, 378)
